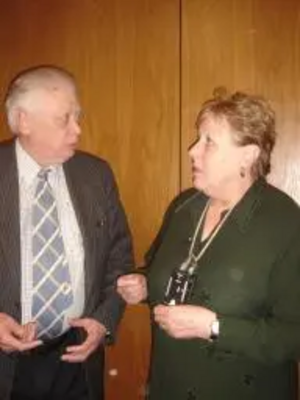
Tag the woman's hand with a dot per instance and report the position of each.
(185, 321)
(132, 287)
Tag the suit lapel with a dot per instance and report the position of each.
(83, 200)
(10, 217)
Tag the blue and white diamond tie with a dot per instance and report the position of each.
(52, 290)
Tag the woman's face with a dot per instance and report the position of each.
(216, 159)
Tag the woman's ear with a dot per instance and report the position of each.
(252, 152)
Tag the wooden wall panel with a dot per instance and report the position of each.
(253, 45)
(125, 55)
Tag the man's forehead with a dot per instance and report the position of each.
(53, 97)
(57, 89)
(51, 84)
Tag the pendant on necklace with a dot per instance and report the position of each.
(179, 287)
(189, 265)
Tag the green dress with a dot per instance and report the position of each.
(250, 276)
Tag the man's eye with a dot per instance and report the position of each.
(78, 117)
(63, 120)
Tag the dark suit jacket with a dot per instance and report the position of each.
(107, 244)
(250, 276)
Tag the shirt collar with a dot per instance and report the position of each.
(245, 208)
(28, 168)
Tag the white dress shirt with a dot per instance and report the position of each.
(28, 170)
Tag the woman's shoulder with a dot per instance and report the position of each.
(187, 198)
(280, 211)
(279, 199)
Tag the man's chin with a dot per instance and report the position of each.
(65, 157)
(71, 151)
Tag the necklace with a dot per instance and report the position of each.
(190, 264)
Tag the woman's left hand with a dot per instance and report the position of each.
(185, 321)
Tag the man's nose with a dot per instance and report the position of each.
(75, 125)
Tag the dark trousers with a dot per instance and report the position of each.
(41, 375)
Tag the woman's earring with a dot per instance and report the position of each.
(242, 172)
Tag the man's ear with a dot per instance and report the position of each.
(22, 122)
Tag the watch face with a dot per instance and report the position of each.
(215, 329)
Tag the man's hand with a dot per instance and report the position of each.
(16, 337)
(132, 287)
(95, 333)
(185, 321)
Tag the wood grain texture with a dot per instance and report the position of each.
(253, 46)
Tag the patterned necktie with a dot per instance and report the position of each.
(52, 290)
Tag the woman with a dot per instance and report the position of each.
(223, 274)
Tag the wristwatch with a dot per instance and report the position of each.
(214, 330)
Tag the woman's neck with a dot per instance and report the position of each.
(230, 197)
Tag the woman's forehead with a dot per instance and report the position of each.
(213, 123)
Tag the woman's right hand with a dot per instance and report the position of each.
(132, 287)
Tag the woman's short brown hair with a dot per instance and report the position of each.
(252, 120)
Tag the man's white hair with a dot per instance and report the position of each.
(18, 94)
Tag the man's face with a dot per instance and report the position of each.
(50, 130)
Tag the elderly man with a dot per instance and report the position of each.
(64, 240)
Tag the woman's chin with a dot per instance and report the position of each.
(198, 184)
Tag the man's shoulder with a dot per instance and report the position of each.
(88, 165)
(7, 146)
(88, 159)
(7, 156)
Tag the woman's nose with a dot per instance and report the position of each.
(194, 148)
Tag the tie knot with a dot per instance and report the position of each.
(43, 174)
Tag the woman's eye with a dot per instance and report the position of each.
(208, 141)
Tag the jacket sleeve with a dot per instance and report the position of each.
(118, 258)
